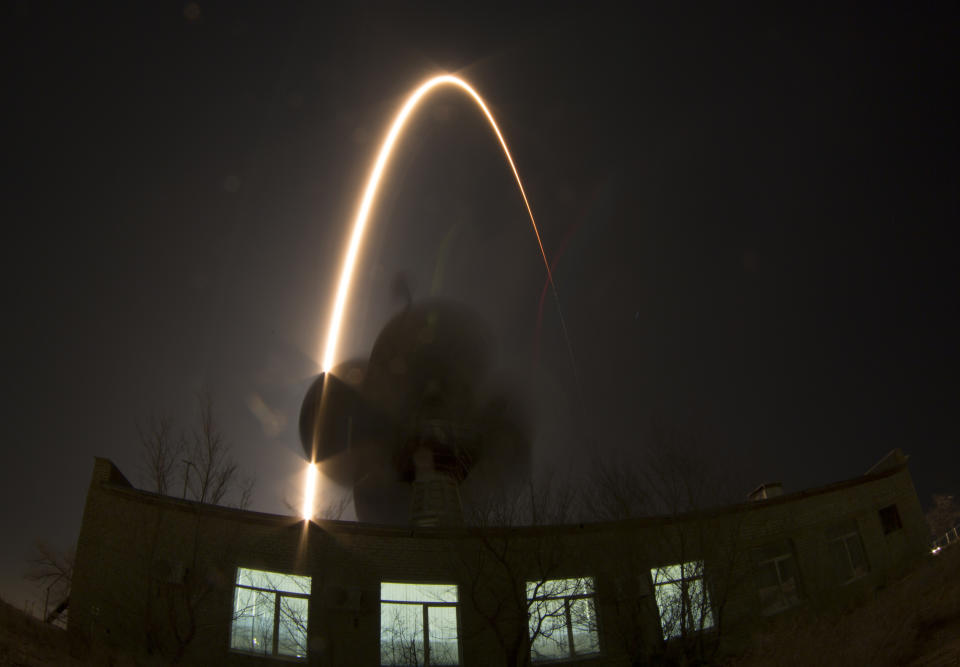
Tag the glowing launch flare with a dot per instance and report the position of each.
(311, 490)
(360, 223)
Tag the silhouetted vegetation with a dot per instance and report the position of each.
(194, 463)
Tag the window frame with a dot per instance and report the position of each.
(591, 595)
(278, 595)
(425, 611)
(706, 620)
(890, 520)
(844, 538)
(783, 552)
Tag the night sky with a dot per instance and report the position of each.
(751, 216)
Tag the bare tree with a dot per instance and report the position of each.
(335, 506)
(402, 641)
(195, 463)
(161, 452)
(293, 624)
(514, 579)
(944, 515)
(256, 628)
(52, 570)
(615, 490)
(214, 468)
(681, 567)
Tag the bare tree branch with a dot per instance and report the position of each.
(161, 452)
(48, 565)
(196, 464)
(512, 578)
(944, 515)
(52, 570)
(336, 505)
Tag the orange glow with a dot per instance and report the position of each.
(370, 193)
(311, 491)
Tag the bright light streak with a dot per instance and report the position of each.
(310, 492)
(373, 182)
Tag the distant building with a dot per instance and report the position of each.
(213, 585)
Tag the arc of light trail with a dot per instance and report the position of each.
(310, 492)
(370, 193)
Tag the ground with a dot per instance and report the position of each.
(914, 621)
(26, 641)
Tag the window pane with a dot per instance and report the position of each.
(548, 628)
(841, 561)
(418, 592)
(555, 588)
(548, 619)
(252, 628)
(292, 634)
(789, 582)
(858, 559)
(771, 599)
(670, 603)
(583, 619)
(773, 551)
(778, 585)
(682, 598)
(443, 636)
(767, 575)
(771, 587)
(701, 616)
(842, 530)
(401, 634)
(274, 581)
(668, 573)
(890, 519)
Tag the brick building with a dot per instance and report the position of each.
(204, 584)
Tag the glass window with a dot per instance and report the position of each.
(418, 624)
(846, 550)
(682, 598)
(563, 618)
(270, 612)
(890, 519)
(442, 635)
(778, 583)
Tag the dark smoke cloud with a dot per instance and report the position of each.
(427, 383)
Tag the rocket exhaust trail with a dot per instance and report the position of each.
(360, 223)
(310, 492)
(369, 197)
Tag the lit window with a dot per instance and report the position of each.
(681, 598)
(890, 519)
(563, 618)
(778, 584)
(270, 614)
(418, 624)
(846, 550)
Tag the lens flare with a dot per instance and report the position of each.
(370, 193)
(310, 492)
